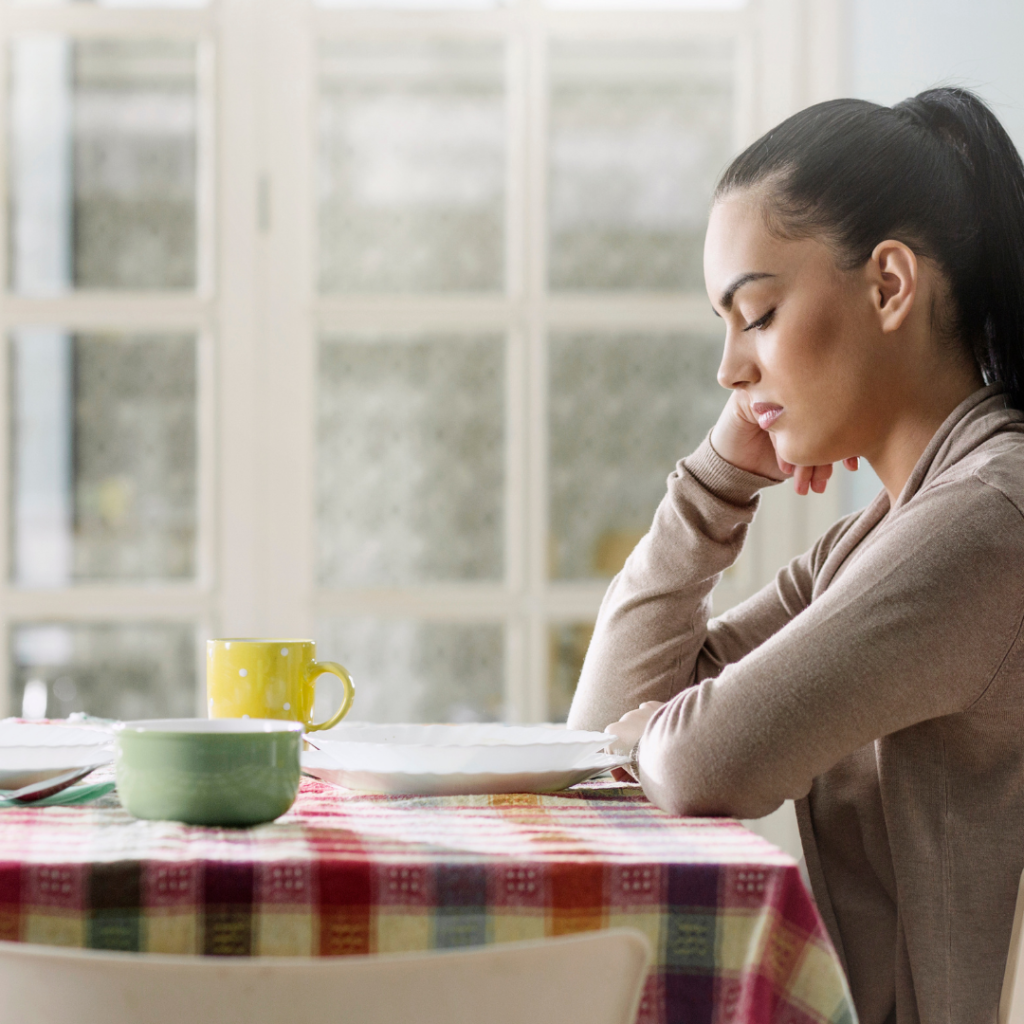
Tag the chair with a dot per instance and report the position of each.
(593, 978)
(1011, 1002)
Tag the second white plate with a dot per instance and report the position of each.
(31, 752)
(457, 783)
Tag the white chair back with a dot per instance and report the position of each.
(592, 978)
(1011, 1002)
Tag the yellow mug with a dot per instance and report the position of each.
(269, 679)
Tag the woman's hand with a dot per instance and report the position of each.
(739, 440)
(630, 727)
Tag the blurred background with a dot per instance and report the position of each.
(383, 322)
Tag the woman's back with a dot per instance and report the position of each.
(868, 265)
(899, 738)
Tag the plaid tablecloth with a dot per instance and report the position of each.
(736, 937)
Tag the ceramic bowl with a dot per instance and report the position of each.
(224, 771)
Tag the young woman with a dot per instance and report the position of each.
(868, 264)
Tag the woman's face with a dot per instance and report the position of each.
(803, 341)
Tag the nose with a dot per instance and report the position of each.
(738, 368)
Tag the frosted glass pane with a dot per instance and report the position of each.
(412, 154)
(623, 410)
(639, 133)
(104, 457)
(112, 3)
(409, 671)
(647, 5)
(412, 5)
(568, 645)
(102, 164)
(411, 460)
(116, 670)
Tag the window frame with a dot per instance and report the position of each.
(258, 317)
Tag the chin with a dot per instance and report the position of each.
(800, 454)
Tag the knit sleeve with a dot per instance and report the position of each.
(652, 637)
(915, 627)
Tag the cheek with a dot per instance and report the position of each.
(822, 351)
(819, 365)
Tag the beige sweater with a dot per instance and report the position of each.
(878, 681)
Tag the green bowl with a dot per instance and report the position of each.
(221, 771)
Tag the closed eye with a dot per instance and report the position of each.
(762, 323)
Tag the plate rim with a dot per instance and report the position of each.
(614, 761)
(545, 736)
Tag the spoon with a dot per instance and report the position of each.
(41, 790)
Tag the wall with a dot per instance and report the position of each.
(900, 47)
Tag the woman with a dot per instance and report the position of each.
(868, 264)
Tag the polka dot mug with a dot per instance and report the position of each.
(269, 679)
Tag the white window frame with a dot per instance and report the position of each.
(258, 317)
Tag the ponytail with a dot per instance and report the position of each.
(937, 172)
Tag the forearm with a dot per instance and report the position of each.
(914, 629)
(653, 620)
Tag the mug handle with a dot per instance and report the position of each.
(319, 668)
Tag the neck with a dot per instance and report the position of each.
(917, 419)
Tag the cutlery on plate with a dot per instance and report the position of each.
(48, 787)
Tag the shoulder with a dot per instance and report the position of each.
(990, 478)
(999, 465)
(967, 525)
(833, 537)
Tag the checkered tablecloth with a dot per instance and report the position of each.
(736, 937)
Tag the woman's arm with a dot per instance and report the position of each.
(652, 636)
(652, 628)
(916, 626)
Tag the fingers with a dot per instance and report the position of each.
(630, 727)
(802, 477)
(811, 478)
(820, 477)
(626, 731)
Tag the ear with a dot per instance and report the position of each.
(892, 269)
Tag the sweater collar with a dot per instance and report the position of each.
(971, 423)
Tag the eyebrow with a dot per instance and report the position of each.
(730, 293)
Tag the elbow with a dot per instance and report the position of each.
(694, 766)
(709, 791)
(684, 802)
(576, 718)
(586, 719)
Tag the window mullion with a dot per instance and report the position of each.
(283, 414)
(238, 504)
(533, 696)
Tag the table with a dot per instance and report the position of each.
(735, 934)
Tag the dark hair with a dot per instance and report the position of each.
(937, 172)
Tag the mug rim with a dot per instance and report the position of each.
(258, 640)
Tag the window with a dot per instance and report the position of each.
(381, 324)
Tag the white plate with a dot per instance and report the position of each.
(469, 749)
(457, 783)
(33, 753)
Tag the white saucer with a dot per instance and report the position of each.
(35, 752)
(457, 783)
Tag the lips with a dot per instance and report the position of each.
(766, 412)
